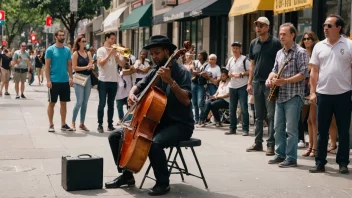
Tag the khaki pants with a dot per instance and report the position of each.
(5, 75)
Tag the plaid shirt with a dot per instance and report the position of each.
(298, 64)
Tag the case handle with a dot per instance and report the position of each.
(79, 156)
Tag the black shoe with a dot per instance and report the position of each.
(120, 181)
(7, 93)
(287, 164)
(343, 169)
(22, 96)
(100, 129)
(66, 128)
(158, 190)
(317, 169)
(255, 147)
(111, 129)
(276, 160)
(231, 132)
(270, 151)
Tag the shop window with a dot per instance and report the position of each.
(191, 31)
(304, 23)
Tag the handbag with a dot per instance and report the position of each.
(94, 79)
(201, 79)
(80, 79)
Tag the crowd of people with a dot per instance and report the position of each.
(290, 84)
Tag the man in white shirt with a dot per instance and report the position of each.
(330, 89)
(108, 61)
(238, 67)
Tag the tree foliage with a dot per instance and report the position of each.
(18, 18)
(60, 9)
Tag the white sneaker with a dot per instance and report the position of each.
(301, 144)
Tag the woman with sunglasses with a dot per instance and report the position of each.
(308, 42)
(82, 63)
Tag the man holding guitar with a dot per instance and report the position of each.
(176, 123)
(289, 101)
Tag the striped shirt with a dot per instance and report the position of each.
(298, 64)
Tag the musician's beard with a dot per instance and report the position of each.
(162, 62)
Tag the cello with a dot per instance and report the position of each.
(147, 112)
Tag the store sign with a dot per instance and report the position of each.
(174, 16)
(171, 2)
(136, 4)
(182, 1)
(282, 6)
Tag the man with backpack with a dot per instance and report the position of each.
(238, 67)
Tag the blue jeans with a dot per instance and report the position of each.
(287, 115)
(82, 96)
(239, 94)
(198, 99)
(261, 93)
(211, 88)
(340, 106)
(119, 104)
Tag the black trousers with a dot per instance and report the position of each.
(165, 135)
(107, 92)
(340, 106)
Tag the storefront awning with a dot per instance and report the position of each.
(140, 17)
(198, 8)
(241, 7)
(110, 23)
(291, 5)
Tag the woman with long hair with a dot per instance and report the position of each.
(5, 69)
(39, 65)
(82, 63)
(308, 42)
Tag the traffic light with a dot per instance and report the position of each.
(48, 21)
(33, 38)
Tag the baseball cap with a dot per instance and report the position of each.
(263, 20)
(236, 43)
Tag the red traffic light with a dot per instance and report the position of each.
(48, 21)
(2, 15)
(33, 38)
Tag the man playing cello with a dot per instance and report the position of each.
(177, 122)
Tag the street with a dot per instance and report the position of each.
(30, 159)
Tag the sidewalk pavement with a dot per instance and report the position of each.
(30, 159)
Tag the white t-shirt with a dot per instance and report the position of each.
(236, 66)
(334, 64)
(142, 66)
(108, 72)
(215, 72)
(224, 89)
(122, 92)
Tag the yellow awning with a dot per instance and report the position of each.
(241, 7)
(282, 6)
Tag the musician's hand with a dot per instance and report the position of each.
(313, 98)
(113, 52)
(165, 74)
(132, 99)
(278, 81)
(268, 83)
(249, 89)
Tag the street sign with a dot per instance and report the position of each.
(2, 22)
(49, 29)
(73, 5)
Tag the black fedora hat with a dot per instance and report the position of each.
(160, 40)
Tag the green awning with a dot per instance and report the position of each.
(139, 17)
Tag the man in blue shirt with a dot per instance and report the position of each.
(58, 71)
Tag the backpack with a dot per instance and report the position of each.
(201, 79)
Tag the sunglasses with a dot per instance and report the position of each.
(83, 41)
(260, 26)
(307, 39)
(329, 25)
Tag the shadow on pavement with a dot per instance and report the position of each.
(179, 190)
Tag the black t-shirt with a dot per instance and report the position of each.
(5, 61)
(264, 54)
(175, 111)
(82, 62)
